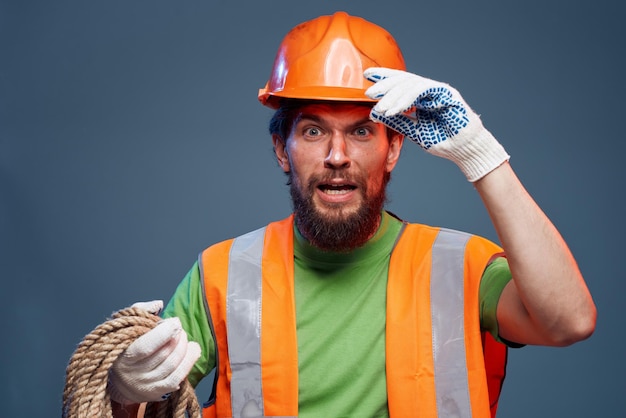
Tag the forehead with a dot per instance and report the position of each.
(346, 112)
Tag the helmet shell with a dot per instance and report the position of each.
(324, 59)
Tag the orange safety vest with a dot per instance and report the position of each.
(438, 362)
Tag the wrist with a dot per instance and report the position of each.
(124, 411)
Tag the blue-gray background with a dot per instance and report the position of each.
(131, 138)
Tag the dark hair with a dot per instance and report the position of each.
(282, 121)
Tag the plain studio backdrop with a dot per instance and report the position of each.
(131, 138)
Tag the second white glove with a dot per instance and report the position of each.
(435, 116)
(154, 365)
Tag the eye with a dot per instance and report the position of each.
(312, 131)
(362, 132)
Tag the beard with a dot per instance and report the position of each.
(337, 230)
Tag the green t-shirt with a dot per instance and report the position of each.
(340, 320)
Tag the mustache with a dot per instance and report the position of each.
(316, 179)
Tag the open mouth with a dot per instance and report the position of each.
(336, 189)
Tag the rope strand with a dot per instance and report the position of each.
(85, 394)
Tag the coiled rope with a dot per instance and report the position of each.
(86, 395)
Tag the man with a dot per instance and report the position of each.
(342, 309)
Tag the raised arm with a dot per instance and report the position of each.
(547, 302)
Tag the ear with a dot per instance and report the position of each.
(395, 146)
(281, 153)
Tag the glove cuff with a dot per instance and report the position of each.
(124, 395)
(475, 151)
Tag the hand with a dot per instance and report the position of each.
(154, 306)
(435, 116)
(155, 364)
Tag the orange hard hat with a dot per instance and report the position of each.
(324, 59)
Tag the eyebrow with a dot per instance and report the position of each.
(317, 119)
(308, 116)
(361, 122)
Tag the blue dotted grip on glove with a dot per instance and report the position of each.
(434, 117)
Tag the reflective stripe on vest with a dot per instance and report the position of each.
(243, 308)
(243, 312)
(447, 300)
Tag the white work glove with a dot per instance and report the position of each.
(435, 116)
(155, 364)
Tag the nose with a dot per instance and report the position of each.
(337, 154)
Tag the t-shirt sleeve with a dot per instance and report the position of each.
(188, 305)
(494, 279)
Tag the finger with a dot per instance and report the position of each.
(161, 355)
(166, 367)
(192, 355)
(379, 89)
(396, 101)
(398, 93)
(375, 74)
(384, 79)
(153, 306)
(398, 123)
(154, 339)
(393, 94)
